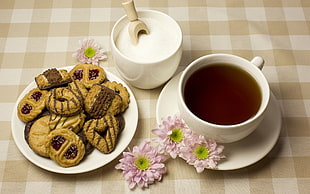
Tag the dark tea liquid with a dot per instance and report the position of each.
(222, 94)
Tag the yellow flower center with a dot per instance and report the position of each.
(142, 163)
(201, 152)
(176, 135)
(89, 52)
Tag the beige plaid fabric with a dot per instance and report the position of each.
(39, 34)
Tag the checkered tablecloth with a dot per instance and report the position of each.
(35, 35)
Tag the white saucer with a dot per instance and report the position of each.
(238, 154)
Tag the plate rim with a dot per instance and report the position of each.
(133, 108)
(221, 164)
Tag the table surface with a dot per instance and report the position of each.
(35, 35)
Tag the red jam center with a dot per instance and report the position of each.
(26, 109)
(36, 96)
(57, 142)
(71, 152)
(93, 74)
(78, 74)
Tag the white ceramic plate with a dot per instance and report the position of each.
(238, 154)
(93, 161)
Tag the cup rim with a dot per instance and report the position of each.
(263, 84)
(151, 62)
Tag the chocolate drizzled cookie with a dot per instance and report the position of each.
(102, 133)
(52, 78)
(101, 100)
(62, 101)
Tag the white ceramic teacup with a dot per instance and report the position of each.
(155, 58)
(224, 133)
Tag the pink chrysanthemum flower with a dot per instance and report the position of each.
(90, 52)
(143, 166)
(171, 135)
(202, 153)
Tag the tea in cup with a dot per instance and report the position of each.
(223, 96)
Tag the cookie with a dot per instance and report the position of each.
(102, 133)
(101, 100)
(65, 147)
(37, 135)
(78, 89)
(89, 148)
(121, 121)
(121, 90)
(52, 78)
(74, 123)
(29, 124)
(31, 104)
(62, 101)
(88, 74)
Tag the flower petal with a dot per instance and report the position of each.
(91, 45)
(142, 178)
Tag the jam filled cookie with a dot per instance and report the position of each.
(31, 104)
(88, 74)
(37, 136)
(121, 90)
(101, 100)
(63, 101)
(65, 147)
(52, 78)
(74, 123)
(102, 133)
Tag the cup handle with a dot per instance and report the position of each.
(258, 62)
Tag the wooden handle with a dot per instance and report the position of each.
(130, 10)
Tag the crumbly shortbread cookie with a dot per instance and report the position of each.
(37, 135)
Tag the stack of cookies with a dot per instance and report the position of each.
(70, 113)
